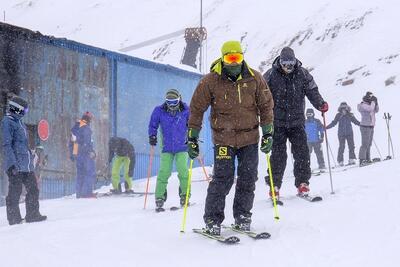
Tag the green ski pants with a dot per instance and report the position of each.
(164, 173)
(120, 162)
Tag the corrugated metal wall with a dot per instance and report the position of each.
(61, 79)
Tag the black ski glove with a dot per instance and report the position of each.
(153, 140)
(266, 140)
(193, 143)
(12, 171)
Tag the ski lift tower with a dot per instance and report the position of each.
(194, 38)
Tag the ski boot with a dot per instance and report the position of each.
(212, 228)
(322, 169)
(36, 218)
(364, 162)
(303, 189)
(116, 191)
(352, 162)
(242, 223)
(276, 191)
(159, 205)
(182, 201)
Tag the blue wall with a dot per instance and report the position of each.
(63, 78)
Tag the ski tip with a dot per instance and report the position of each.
(231, 240)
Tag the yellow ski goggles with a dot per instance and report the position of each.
(233, 58)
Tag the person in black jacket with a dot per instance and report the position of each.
(345, 132)
(123, 153)
(19, 164)
(290, 83)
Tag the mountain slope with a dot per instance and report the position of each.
(350, 46)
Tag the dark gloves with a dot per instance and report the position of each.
(12, 170)
(130, 172)
(153, 140)
(266, 139)
(373, 98)
(193, 143)
(324, 107)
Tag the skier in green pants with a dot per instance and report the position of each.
(172, 117)
(123, 153)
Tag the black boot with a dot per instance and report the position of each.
(242, 223)
(159, 205)
(213, 228)
(35, 218)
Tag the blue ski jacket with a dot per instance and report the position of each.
(173, 127)
(15, 144)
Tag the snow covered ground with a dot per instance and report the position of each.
(356, 226)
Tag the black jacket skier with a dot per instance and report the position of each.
(290, 83)
(123, 153)
(345, 132)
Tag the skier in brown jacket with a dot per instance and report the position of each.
(240, 102)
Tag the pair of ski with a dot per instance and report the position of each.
(308, 197)
(174, 208)
(229, 240)
(132, 194)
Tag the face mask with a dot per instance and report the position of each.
(233, 70)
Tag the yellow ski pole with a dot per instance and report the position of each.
(187, 196)
(276, 216)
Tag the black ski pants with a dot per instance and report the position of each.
(298, 138)
(28, 179)
(223, 178)
(342, 144)
(318, 152)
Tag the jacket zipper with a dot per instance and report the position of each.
(240, 97)
(29, 156)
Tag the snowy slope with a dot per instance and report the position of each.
(340, 41)
(357, 226)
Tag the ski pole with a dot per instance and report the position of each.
(377, 148)
(332, 154)
(388, 140)
(271, 181)
(327, 146)
(389, 117)
(148, 175)
(187, 196)
(204, 169)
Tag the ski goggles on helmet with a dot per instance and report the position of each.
(233, 58)
(17, 108)
(172, 102)
(309, 114)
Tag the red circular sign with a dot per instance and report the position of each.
(43, 130)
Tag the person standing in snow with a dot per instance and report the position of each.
(240, 103)
(345, 132)
(122, 154)
(290, 83)
(315, 137)
(85, 156)
(172, 117)
(19, 164)
(368, 107)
